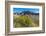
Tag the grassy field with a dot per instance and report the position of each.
(25, 21)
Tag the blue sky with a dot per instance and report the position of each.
(18, 10)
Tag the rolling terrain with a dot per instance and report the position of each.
(26, 19)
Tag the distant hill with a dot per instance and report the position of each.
(29, 12)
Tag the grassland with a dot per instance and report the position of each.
(25, 21)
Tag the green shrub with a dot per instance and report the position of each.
(22, 21)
